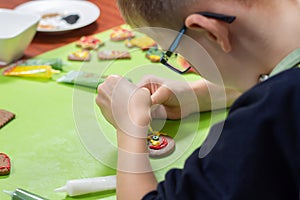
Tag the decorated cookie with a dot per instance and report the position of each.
(80, 56)
(89, 43)
(111, 55)
(4, 164)
(184, 63)
(154, 54)
(120, 34)
(143, 42)
(5, 117)
(159, 144)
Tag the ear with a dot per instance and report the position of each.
(217, 30)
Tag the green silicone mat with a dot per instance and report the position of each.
(59, 133)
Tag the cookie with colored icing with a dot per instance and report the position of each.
(143, 42)
(184, 63)
(113, 54)
(154, 54)
(120, 34)
(80, 56)
(4, 164)
(160, 145)
(89, 43)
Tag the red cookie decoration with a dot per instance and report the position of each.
(159, 144)
(89, 43)
(120, 34)
(80, 56)
(5, 117)
(4, 164)
(111, 55)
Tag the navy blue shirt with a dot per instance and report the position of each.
(257, 156)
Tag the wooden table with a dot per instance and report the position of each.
(42, 42)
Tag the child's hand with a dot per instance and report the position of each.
(124, 105)
(175, 99)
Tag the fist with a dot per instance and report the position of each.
(123, 104)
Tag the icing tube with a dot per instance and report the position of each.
(20, 194)
(43, 71)
(88, 185)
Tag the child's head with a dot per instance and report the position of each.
(164, 13)
(252, 45)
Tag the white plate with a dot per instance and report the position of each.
(87, 12)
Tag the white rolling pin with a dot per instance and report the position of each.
(88, 185)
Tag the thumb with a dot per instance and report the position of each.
(158, 112)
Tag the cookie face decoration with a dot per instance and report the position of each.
(120, 34)
(159, 144)
(89, 43)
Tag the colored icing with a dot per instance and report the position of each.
(143, 42)
(119, 34)
(81, 54)
(159, 145)
(89, 42)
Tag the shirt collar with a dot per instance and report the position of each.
(287, 63)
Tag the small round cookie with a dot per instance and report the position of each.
(4, 164)
(160, 145)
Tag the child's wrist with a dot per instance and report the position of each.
(135, 142)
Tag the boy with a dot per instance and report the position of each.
(255, 45)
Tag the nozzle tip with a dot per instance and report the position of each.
(10, 193)
(61, 189)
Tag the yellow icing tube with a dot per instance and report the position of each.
(43, 71)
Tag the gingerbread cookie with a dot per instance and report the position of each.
(159, 144)
(5, 117)
(4, 164)
(111, 55)
(185, 64)
(143, 42)
(120, 34)
(80, 56)
(89, 43)
(154, 54)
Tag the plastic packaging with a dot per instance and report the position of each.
(55, 63)
(20, 194)
(45, 71)
(81, 78)
(88, 185)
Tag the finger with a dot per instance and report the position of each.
(105, 89)
(146, 80)
(160, 96)
(109, 83)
